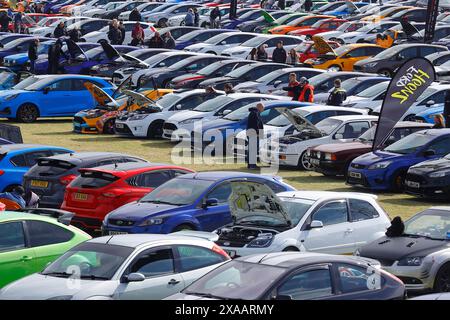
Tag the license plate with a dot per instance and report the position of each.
(115, 233)
(39, 183)
(315, 162)
(119, 125)
(231, 253)
(412, 184)
(80, 196)
(356, 175)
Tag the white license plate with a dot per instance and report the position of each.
(412, 184)
(315, 162)
(356, 175)
(115, 233)
(119, 125)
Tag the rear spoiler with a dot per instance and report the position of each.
(62, 216)
(198, 234)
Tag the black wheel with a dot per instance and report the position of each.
(442, 281)
(290, 249)
(410, 117)
(108, 127)
(27, 113)
(182, 23)
(11, 187)
(303, 163)
(211, 52)
(386, 73)
(398, 182)
(182, 227)
(155, 130)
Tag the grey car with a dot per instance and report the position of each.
(49, 177)
(387, 61)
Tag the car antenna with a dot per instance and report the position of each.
(263, 258)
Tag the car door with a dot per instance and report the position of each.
(350, 58)
(351, 130)
(161, 280)
(16, 259)
(335, 236)
(213, 217)
(58, 99)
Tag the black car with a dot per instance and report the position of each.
(413, 14)
(429, 179)
(114, 14)
(50, 176)
(217, 69)
(296, 276)
(261, 22)
(245, 73)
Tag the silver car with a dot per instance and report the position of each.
(137, 267)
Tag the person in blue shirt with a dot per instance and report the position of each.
(15, 195)
(189, 19)
(18, 22)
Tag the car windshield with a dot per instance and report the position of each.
(213, 104)
(91, 54)
(240, 113)
(410, 143)
(285, 19)
(217, 38)
(236, 73)
(168, 100)
(209, 69)
(236, 280)
(90, 261)
(31, 83)
(190, 35)
(342, 50)
(254, 42)
(327, 126)
(374, 90)
(320, 78)
(270, 76)
(178, 192)
(431, 223)
(388, 52)
(13, 43)
(156, 59)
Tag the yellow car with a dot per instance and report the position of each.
(342, 58)
(386, 13)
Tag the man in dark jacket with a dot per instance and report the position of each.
(279, 54)
(156, 41)
(135, 15)
(255, 130)
(213, 16)
(114, 34)
(169, 42)
(54, 55)
(196, 17)
(447, 109)
(60, 30)
(338, 95)
(122, 32)
(75, 35)
(4, 21)
(32, 53)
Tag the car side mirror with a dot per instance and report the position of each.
(162, 64)
(316, 224)
(338, 136)
(225, 112)
(430, 103)
(45, 90)
(223, 43)
(277, 83)
(429, 153)
(134, 277)
(210, 203)
(178, 107)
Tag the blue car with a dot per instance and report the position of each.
(386, 169)
(50, 4)
(56, 8)
(16, 159)
(248, 16)
(19, 45)
(49, 96)
(197, 36)
(346, 9)
(428, 114)
(197, 201)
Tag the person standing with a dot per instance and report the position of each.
(308, 5)
(293, 87)
(54, 55)
(338, 95)
(279, 54)
(169, 42)
(293, 57)
(123, 31)
(255, 130)
(156, 41)
(447, 109)
(114, 32)
(137, 35)
(213, 17)
(33, 53)
(135, 15)
(60, 30)
(261, 54)
(189, 19)
(196, 17)
(75, 35)
(252, 54)
(18, 22)
(307, 92)
(4, 21)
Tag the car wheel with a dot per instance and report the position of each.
(96, 16)
(11, 187)
(442, 281)
(335, 67)
(303, 163)
(27, 113)
(398, 182)
(386, 73)
(182, 227)
(48, 35)
(108, 127)
(410, 117)
(291, 249)
(182, 23)
(155, 129)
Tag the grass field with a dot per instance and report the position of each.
(59, 132)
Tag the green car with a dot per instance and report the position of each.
(28, 242)
(280, 21)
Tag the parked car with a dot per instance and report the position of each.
(160, 17)
(102, 33)
(360, 35)
(319, 27)
(218, 43)
(299, 24)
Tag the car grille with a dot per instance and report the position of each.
(125, 129)
(360, 181)
(120, 222)
(415, 178)
(235, 244)
(169, 126)
(358, 166)
(79, 120)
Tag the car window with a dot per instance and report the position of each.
(408, 53)
(359, 52)
(320, 115)
(424, 51)
(221, 192)
(353, 130)
(154, 262)
(440, 146)
(19, 161)
(288, 41)
(31, 157)
(332, 213)
(43, 233)
(192, 257)
(307, 285)
(61, 85)
(361, 210)
(150, 179)
(191, 102)
(78, 85)
(371, 51)
(234, 105)
(438, 97)
(11, 236)
(354, 278)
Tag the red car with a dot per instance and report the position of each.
(98, 191)
(307, 50)
(318, 27)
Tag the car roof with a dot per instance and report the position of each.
(86, 156)
(354, 117)
(321, 107)
(434, 132)
(130, 166)
(135, 240)
(412, 124)
(218, 175)
(24, 146)
(14, 215)
(318, 195)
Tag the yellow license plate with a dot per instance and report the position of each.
(39, 183)
(81, 196)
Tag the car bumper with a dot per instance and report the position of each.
(435, 191)
(84, 128)
(332, 168)
(113, 229)
(415, 278)
(129, 130)
(283, 159)
(370, 179)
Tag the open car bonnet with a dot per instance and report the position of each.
(299, 122)
(249, 199)
(410, 30)
(110, 52)
(322, 46)
(141, 99)
(74, 49)
(267, 16)
(103, 99)
(351, 7)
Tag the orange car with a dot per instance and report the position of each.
(297, 24)
(68, 8)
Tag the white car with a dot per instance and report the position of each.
(48, 31)
(221, 42)
(314, 221)
(102, 34)
(160, 17)
(181, 124)
(122, 267)
(368, 30)
(142, 8)
(45, 22)
(275, 80)
(98, 11)
(369, 99)
(79, 10)
(349, 26)
(292, 150)
(243, 50)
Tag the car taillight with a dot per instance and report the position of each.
(67, 179)
(220, 251)
(109, 195)
(1, 172)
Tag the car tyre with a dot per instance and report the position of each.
(290, 249)
(155, 129)
(303, 164)
(183, 227)
(27, 113)
(442, 281)
(335, 66)
(397, 183)
(108, 127)
(11, 187)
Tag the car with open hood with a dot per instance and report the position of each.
(386, 169)
(291, 150)
(420, 255)
(17, 46)
(299, 24)
(309, 50)
(284, 20)
(318, 27)
(360, 35)
(221, 42)
(265, 20)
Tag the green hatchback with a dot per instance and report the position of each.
(28, 242)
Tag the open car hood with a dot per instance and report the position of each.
(141, 99)
(267, 16)
(322, 46)
(409, 29)
(110, 52)
(299, 122)
(122, 87)
(74, 49)
(250, 198)
(103, 99)
(351, 7)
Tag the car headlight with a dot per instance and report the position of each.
(262, 241)
(235, 53)
(439, 174)
(151, 222)
(65, 297)
(370, 65)
(282, 149)
(329, 156)
(138, 117)
(411, 261)
(380, 165)
(11, 97)
(187, 121)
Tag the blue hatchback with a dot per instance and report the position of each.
(197, 201)
(16, 159)
(386, 169)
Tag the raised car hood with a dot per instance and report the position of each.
(99, 95)
(249, 199)
(398, 248)
(300, 123)
(140, 99)
(322, 46)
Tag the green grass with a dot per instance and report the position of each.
(59, 132)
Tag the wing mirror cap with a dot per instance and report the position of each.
(210, 203)
(316, 224)
(134, 277)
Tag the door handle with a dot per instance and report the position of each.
(26, 258)
(173, 282)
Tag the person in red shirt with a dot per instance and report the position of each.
(137, 34)
(292, 84)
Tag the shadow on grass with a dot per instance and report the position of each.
(39, 121)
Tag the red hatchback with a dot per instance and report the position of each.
(318, 27)
(98, 191)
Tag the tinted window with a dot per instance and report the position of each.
(150, 179)
(410, 52)
(154, 262)
(332, 213)
(307, 285)
(32, 157)
(44, 233)
(11, 236)
(19, 161)
(441, 146)
(356, 53)
(353, 278)
(319, 116)
(353, 130)
(361, 210)
(221, 192)
(192, 258)
(62, 85)
(93, 180)
(78, 85)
